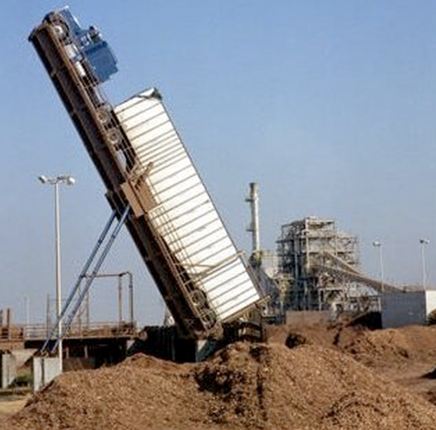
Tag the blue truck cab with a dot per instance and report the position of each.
(84, 44)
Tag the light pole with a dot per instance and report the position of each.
(423, 243)
(377, 244)
(27, 313)
(27, 309)
(56, 181)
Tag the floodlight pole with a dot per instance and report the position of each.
(378, 244)
(58, 271)
(56, 181)
(423, 243)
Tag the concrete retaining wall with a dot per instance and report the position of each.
(8, 369)
(44, 369)
(308, 317)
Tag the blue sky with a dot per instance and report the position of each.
(330, 106)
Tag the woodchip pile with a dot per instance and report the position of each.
(244, 386)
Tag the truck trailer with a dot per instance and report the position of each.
(152, 183)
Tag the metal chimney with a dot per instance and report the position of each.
(253, 199)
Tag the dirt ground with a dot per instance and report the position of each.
(10, 406)
(306, 377)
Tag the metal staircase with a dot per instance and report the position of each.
(79, 292)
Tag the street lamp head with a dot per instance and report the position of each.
(65, 179)
(62, 179)
(70, 180)
(376, 243)
(424, 241)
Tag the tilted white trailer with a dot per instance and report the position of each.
(152, 184)
(185, 216)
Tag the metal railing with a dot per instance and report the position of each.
(21, 333)
(11, 333)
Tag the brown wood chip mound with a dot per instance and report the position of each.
(394, 346)
(244, 386)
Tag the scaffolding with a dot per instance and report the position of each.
(321, 264)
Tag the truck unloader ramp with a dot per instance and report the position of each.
(147, 172)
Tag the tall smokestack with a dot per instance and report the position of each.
(253, 199)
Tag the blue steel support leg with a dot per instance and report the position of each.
(91, 278)
(79, 279)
